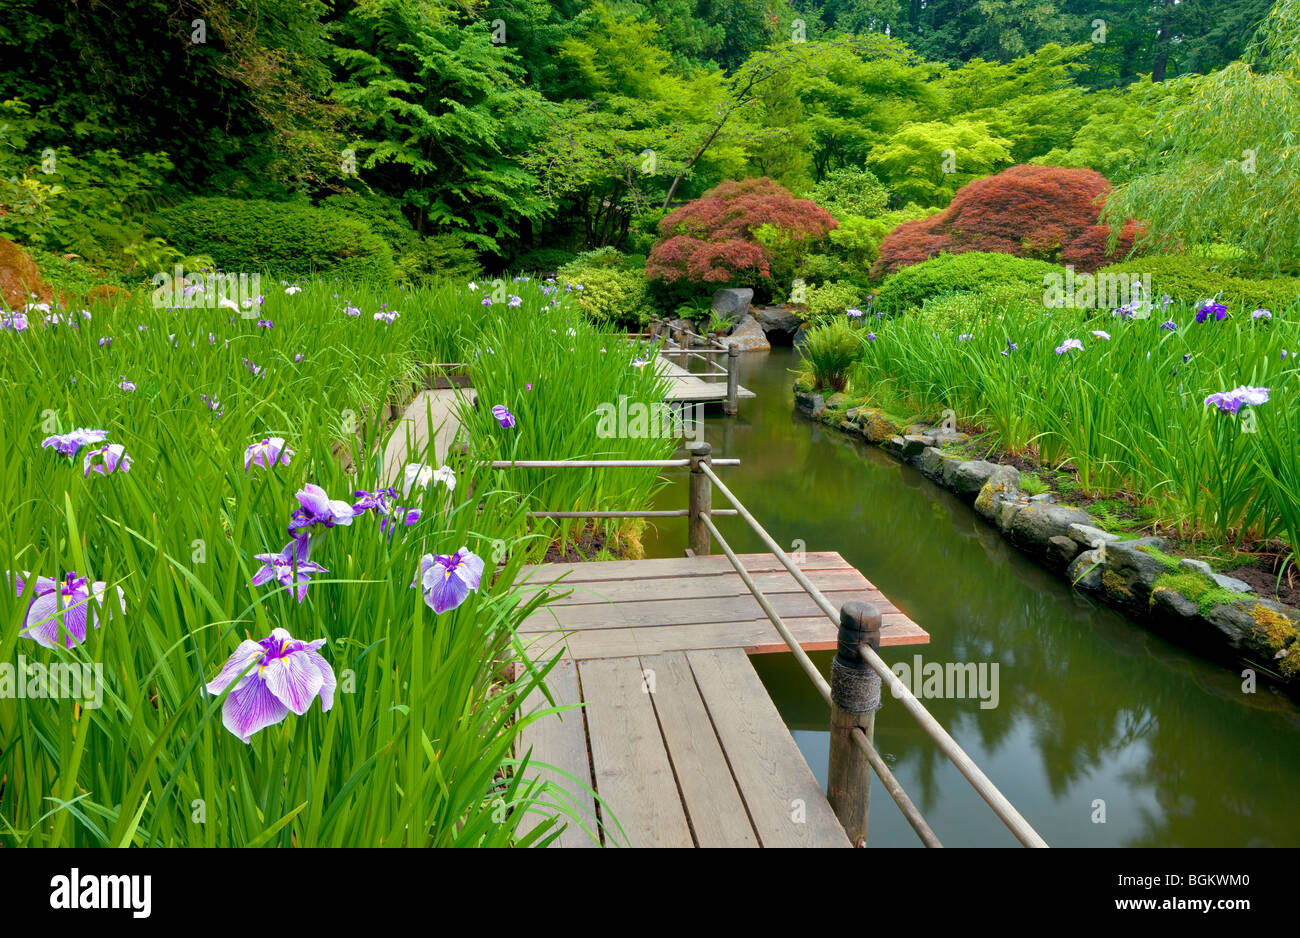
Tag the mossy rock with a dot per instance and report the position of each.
(1114, 584)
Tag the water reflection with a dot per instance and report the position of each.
(1093, 712)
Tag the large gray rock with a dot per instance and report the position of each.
(801, 336)
(747, 336)
(1129, 560)
(1231, 583)
(1234, 621)
(732, 301)
(905, 447)
(1085, 570)
(1036, 524)
(967, 478)
(781, 319)
(809, 404)
(933, 462)
(1174, 603)
(1061, 550)
(1088, 536)
(1002, 486)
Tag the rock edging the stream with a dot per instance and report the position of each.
(1182, 598)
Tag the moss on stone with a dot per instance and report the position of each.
(1171, 563)
(1197, 587)
(1279, 633)
(1114, 584)
(876, 427)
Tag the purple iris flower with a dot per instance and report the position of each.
(1169, 325)
(1069, 345)
(964, 337)
(213, 404)
(67, 444)
(503, 416)
(352, 311)
(387, 317)
(515, 300)
(487, 299)
(126, 385)
(399, 515)
(445, 582)
(287, 568)
(17, 322)
(299, 357)
(63, 603)
(380, 501)
(853, 312)
(1099, 334)
(114, 456)
(266, 453)
(317, 513)
(283, 675)
(265, 324)
(103, 342)
(1229, 402)
(1263, 314)
(1210, 306)
(871, 337)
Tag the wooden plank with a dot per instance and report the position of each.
(560, 740)
(711, 586)
(690, 611)
(784, 800)
(757, 636)
(673, 567)
(410, 441)
(633, 775)
(714, 807)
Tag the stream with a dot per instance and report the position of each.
(1103, 734)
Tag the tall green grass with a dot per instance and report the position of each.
(419, 747)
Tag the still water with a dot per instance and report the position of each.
(1093, 713)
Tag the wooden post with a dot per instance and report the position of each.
(855, 698)
(732, 405)
(701, 498)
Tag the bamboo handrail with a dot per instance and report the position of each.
(984, 787)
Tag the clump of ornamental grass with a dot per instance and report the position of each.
(830, 351)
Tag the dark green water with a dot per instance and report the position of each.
(1091, 707)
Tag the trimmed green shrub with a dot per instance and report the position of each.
(609, 294)
(283, 238)
(851, 191)
(1192, 278)
(956, 273)
(831, 300)
(441, 256)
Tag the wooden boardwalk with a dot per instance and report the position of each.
(687, 388)
(430, 411)
(672, 726)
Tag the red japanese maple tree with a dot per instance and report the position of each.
(1044, 212)
(712, 239)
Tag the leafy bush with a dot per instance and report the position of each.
(956, 273)
(418, 259)
(830, 352)
(851, 191)
(609, 294)
(831, 300)
(1043, 212)
(714, 238)
(1011, 303)
(285, 238)
(1193, 278)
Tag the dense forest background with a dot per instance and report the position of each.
(483, 132)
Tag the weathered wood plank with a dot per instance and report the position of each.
(757, 636)
(784, 800)
(689, 611)
(697, 587)
(633, 775)
(714, 807)
(673, 567)
(560, 740)
(430, 416)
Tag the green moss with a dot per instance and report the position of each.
(1171, 563)
(1280, 634)
(1197, 587)
(1114, 584)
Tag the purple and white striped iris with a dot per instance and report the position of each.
(446, 581)
(61, 605)
(115, 458)
(1229, 402)
(280, 675)
(287, 568)
(67, 444)
(267, 453)
(318, 512)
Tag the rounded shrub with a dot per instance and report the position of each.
(283, 238)
(956, 273)
(831, 300)
(1192, 278)
(609, 294)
